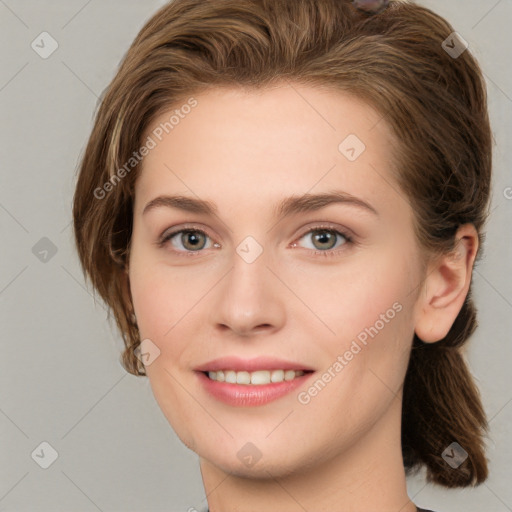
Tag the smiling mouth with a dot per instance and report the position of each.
(256, 378)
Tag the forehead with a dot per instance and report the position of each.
(291, 138)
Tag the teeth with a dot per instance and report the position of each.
(256, 378)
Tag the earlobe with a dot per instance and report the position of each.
(446, 286)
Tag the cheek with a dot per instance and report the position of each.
(153, 302)
(364, 364)
(163, 293)
(369, 308)
(354, 296)
(157, 304)
(161, 296)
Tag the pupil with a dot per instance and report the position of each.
(192, 240)
(324, 238)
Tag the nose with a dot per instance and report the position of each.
(249, 300)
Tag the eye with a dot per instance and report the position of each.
(325, 239)
(186, 240)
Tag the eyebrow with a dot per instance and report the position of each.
(288, 206)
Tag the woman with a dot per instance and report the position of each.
(282, 204)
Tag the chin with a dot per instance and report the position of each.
(260, 459)
(266, 467)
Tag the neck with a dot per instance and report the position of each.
(368, 476)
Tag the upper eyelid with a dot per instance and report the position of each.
(171, 232)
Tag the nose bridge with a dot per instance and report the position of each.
(248, 297)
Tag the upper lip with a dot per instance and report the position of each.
(249, 365)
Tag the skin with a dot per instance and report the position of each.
(244, 151)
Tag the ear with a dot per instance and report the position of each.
(446, 286)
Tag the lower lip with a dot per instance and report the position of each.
(247, 395)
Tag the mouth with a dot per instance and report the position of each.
(251, 382)
(255, 378)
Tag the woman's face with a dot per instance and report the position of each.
(271, 277)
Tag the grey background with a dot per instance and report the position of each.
(60, 378)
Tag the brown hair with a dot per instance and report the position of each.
(394, 60)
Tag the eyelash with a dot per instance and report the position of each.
(327, 253)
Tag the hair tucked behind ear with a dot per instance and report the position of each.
(396, 61)
(441, 405)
